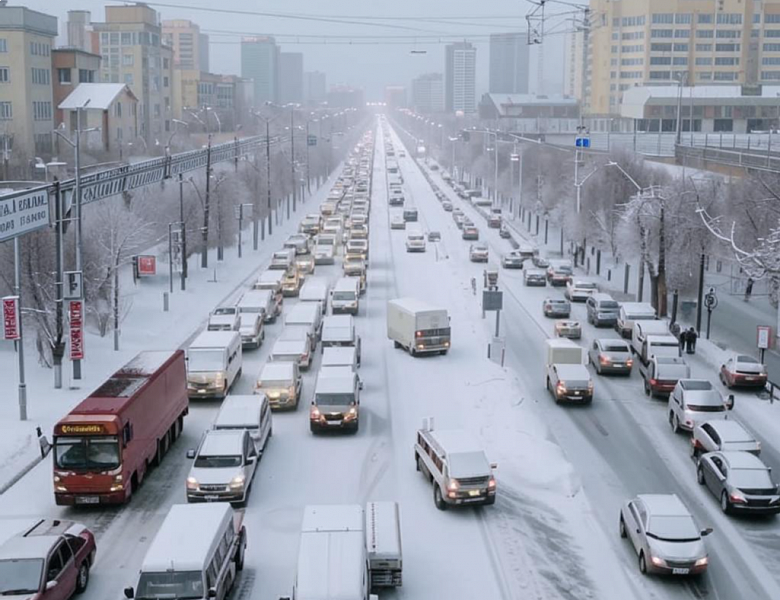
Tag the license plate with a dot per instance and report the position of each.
(212, 497)
(617, 364)
(750, 378)
(680, 571)
(87, 500)
(473, 492)
(576, 393)
(334, 423)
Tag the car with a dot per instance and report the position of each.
(282, 260)
(664, 535)
(741, 370)
(559, 273)
(478, 253)
(579, 290)
(224, 318)
(556, 307)
(712, 436)
(397, 222)
(504, 233)
(540, 262)
(527, 251)
(459, 221)
(611, 356)
(694, 401)
(415, 242)
(568, 328)
(512, 260)
(292, 282)
(534, 277)
(298, 242)
(740, 480)
(446, 205)
(434, 236)
(305, 264)
(324, 254)
(602, 310)
(494, 221)
(223, 467)
(570, 382)
(357, 248)
(310, 225)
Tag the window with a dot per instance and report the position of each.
(660, 60)
(727, 47)
(772, 33)
(165, 82)
(41, 111)
(660, 47)
(726, 61)
(632, 62)
(633, 35)
(5, 75)
(703, 47)
(722, 125)
(729, 19)
(705, 76)
(634, 48)
(104, 39)
(729, 34)
(55, 566)
(127, 39)
(682, 33)
(40, 76)
(118, 109)
(770, 75)
(705, 33)
(662, 19)
(770, 60)
(157, 110)
(633, 21)
(128, 78)
(113, 39)
(6, 111)
(725, 76)
(612, 63)
(660, 75)
(66, 553)
(681, 47)
(631, 74)
(704, 19)
(680, 61)
(772, 18)
(683, 18)
(614, 49)
(615, 36)
(128, 60)
(63, 76)
(86, 76)
(703, 61)
(166, 63)
(661, 33)
(771, 47)
(3, 45)
(615, 21)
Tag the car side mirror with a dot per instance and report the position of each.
(638, 530)
(706, 532)
(129, 592)
(51, 584)
(494, 466)
(190, 454)
(730, 402)
(212, 592)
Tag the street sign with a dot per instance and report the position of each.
(492, 300)
(147, 265)
(514, 157)
(76, 318)
(73, 286)
(582, 142)
(312, 140)
(764, 337)
(11, 318)
(23, 213)
(711, 300)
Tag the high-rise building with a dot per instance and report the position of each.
(702, 42)
(314, 87)
(573, 68)
(26, 111)
(260, 63)
(395, 96)
(79, 33)
(133, 52)
(428, 93)
(185, 38)
(460, 78)
(205, 52)
(290, 77)
(509, 63)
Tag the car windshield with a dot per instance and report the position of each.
(178, 585)
(608, 304)
(22, 576)
(563, 269)
(670, 528)
(326, 241)
(204, 360)
(217, 462)
(747, 360)
(585, 285)
(344, 296)
(334, 399)
(559, 302)
(99, 453)
(269, 384)
(750, 479)
(615, 348)
(225, 310)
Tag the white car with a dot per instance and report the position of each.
(298, 242)
(397, 222)
(224, 467)
(224, 318)
(664, 535)
(723, 436)
(324, 254)
(579, 290)
(415, 242)
(695, 401)
(478, 253)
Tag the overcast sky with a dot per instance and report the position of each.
(347, 60)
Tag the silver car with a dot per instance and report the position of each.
(555, 307)
(611, 356)
(224, 467)
(478, 253)
(740, 480)
(664, 535)
(723, 435)
(694, 401)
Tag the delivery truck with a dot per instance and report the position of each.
(418, 327)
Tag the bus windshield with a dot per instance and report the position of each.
(86, 453)
(179, 585)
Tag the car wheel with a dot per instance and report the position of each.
(725, 505)
(676, 424)
(240, 556)
(437, 499)
(642, 563)
(623, 532)
(647, 388)
(417, 463)
(82, 578)
(700, 475)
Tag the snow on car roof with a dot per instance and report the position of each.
(668, 505)
(277, 371)
(19, 547)
(240, 411)
(456, 440)
(288, 347)
(226, 442)
(339, 355)
(303, 312)
(743, 460)
(731, 431)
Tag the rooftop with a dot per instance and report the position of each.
(94, 96)
(277, 371)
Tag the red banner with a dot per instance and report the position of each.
(76, 317)
(11, 318)
(147, 265)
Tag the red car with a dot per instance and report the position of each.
(48, 561)
(741, 370)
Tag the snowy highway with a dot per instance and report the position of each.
(563, 472)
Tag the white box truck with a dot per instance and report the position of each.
(566, 377)
(214, 362)
(418, 326)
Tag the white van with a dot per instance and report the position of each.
(345, 296)
(293, 345)
(252, 413)
(214, 361)
(270, 280)
(418, 326)
(339, 330)
(309, 314)
(340, 356)
(315, 289)
(642, 329)
(336, 403)
(265, 302)
(196, 553)
(631, 312)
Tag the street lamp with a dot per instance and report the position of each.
(175, 131)
(210, 110)
(267, 122)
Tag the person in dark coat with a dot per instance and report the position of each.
(682, 336)
(749, 289)
(690, 341)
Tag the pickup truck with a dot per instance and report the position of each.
(49, 560)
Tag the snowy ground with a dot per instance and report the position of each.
(562, 473)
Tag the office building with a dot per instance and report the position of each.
(428, 93)
(79, 30)
(204, 52)
(260, 63)
(658, 42)
(573, 57)
(395, 96)
(460, 78)
(71, 67)
(509, 63)
(344, 96)
(133, 53)
(26, 112)
(314, 87)
(185, 39)
(290, 78)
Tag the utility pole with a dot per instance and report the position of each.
(20, 341)
(292, 161)
(701, 293)
(268, 173)
(204, 257)
(183, 235)
(308, 173)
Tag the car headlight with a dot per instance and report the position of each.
(702, 561)
(192, 483)
(657, 561)
(314, 413)
(237, 482)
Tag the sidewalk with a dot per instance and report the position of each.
(145, 327)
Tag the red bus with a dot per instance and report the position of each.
(106, 445)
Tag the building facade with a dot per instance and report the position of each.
(185, 38)
(573, 61)
(529, 113)
(395, 96)
(26, 109)
(428, 93)
(70, 67)
(291, 77)
(509, 63)
(699, 42)
(460, 78)
(315, 87)
(79, 31)
(132, 50)
(260, 63)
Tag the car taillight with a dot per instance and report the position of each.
(697, 444)
(418, 333)
(605, 360)
(653, 382)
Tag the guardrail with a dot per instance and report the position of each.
(736, 158)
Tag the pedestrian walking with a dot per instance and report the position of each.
(682, 335)
(690, 341)
(748, 289)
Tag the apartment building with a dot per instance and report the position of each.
(26, 111)
(70, 67)
(291, 77)
(428, 93)
(314, 87)
(509, 63)
(699, 42)
(133, 52)
(460, 78)
(260, 63)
